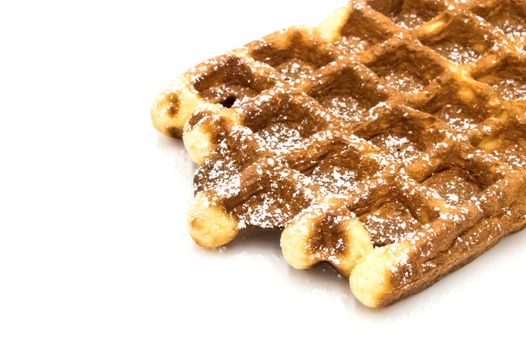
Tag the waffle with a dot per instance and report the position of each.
(390, 141)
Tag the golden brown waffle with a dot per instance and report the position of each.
(390, 141)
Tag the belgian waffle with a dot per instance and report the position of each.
(390, 141)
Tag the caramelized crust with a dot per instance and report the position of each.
(390, 141)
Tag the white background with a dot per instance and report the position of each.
(94, 252)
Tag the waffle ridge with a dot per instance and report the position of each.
(390, 141)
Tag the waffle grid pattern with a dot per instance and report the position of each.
(390, 141)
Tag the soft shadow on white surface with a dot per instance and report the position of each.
(321, 276)
(257, 242)
(171, 146)
(325, 279)
(249, 279)
(255, 245)
(94, 248)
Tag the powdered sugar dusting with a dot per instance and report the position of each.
(336, 179)
(280, 138)
(346, 108)
(458, 53)
(511, 89)
(404, 81)
(457, 118)
(284, 150)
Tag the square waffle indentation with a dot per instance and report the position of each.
(293, 54)
(402, 142)
(403, 134)
(507, 15)
(454, 185)
(282, 122)
(509, 146)
(363, 29)
(465, 175)
(508, 78)
(390, 223)
(461, 41)
(230, 82)
(408, 14)
(408, 69)
(462, 106)
(344, 168)
(347, 92)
